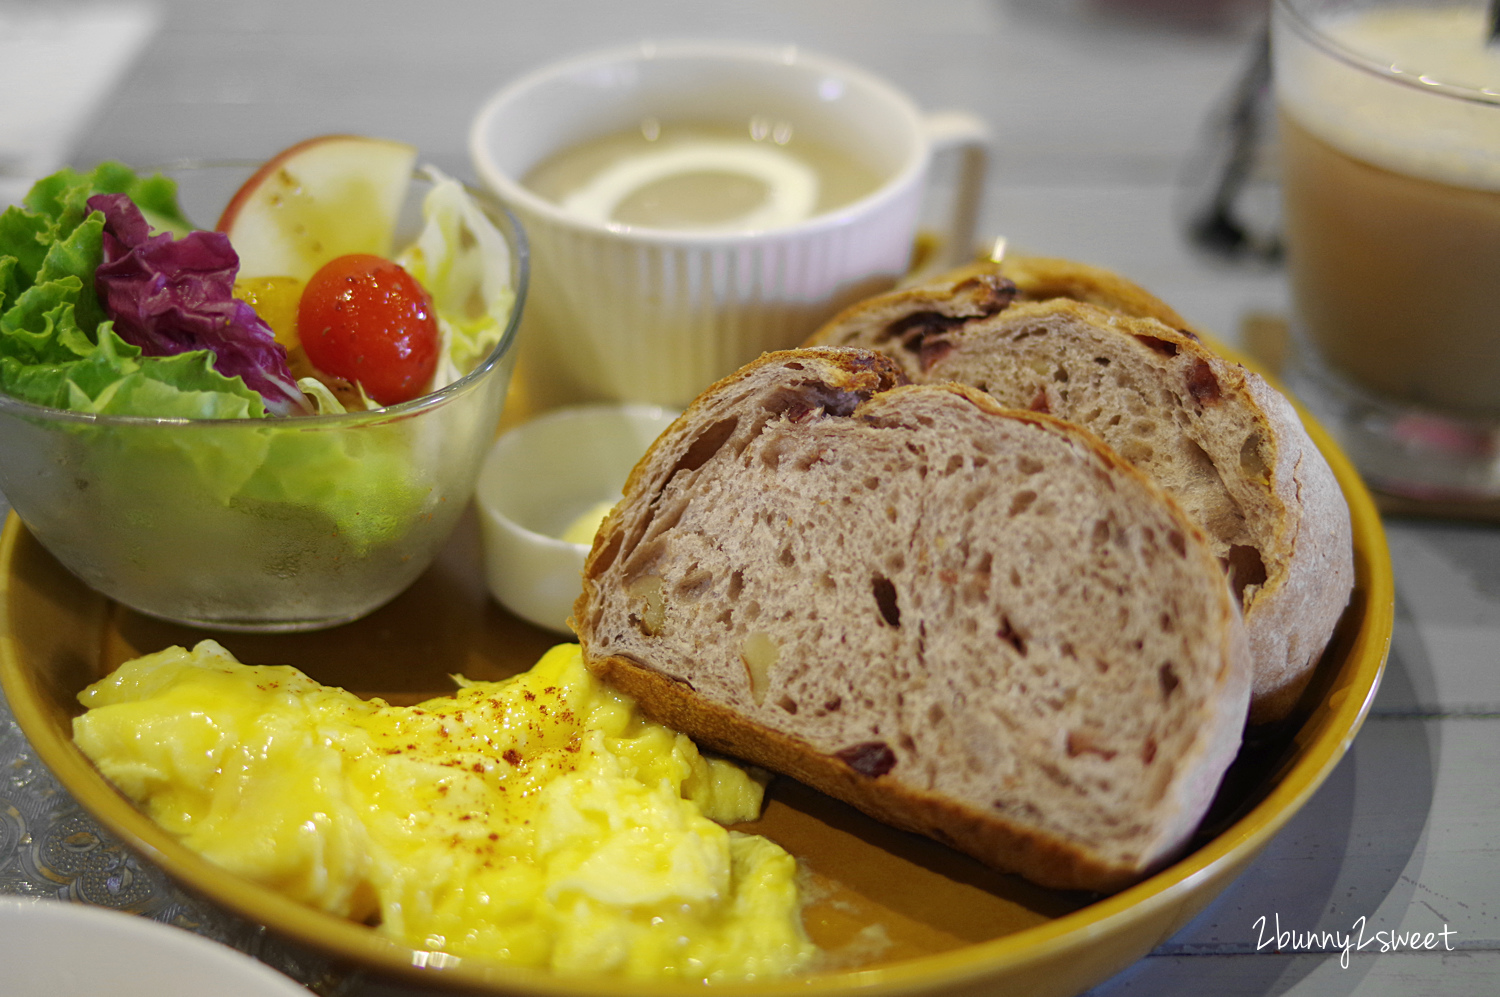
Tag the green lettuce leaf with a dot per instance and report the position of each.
(59, 349)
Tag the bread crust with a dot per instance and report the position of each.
(1042, 859)
(691, 701)
(1295, 613)
(1298, 519)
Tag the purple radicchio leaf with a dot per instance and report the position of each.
(171, 296)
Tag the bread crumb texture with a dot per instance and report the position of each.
(972, 622)
(1082, 344)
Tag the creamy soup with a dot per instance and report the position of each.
(695, 176)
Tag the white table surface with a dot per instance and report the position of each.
(1097, 115)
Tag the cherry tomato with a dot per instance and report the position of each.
(365, 319)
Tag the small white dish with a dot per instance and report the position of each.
(536, 481)
(52, 948)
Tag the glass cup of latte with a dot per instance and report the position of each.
(1389, 123)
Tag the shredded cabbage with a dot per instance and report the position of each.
(464, 263)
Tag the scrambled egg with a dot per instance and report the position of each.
(539, 821)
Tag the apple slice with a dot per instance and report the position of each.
(321, 199)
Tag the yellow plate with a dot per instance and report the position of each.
(954, 927)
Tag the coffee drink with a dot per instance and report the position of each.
(1397, 280)
(1391, 187)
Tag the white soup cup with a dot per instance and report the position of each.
(628, 313)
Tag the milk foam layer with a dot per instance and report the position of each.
(1408, 120)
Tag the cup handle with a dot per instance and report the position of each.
(969, 137)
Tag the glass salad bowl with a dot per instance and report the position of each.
(260, 524)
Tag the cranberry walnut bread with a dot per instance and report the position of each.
(1090, 347)
(972, 623)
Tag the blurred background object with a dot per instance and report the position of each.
(1231, 194)
(1200, 15)
(58, 64)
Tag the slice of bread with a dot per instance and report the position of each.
(972, 623)
(1035, 278)
(1230, 448)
